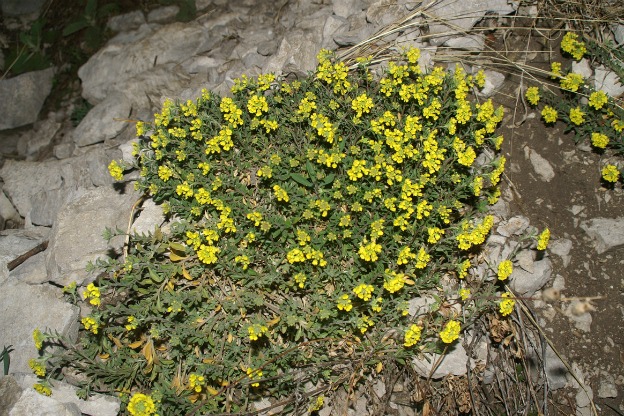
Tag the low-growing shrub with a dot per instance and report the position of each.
(305, 219)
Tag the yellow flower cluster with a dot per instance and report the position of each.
(598, 99)
(90, 324)
(506, 305)
(115, 170)
(474, 235)
(141, 405)
(505, 268)
(549, 114)
(364, 322)
(332, 74)
(571, 82)
(542, 239)
(344, 303)
(42, 389)
(37, 367)
(256, 331)
(573, 46)
(364, 291)
(394, 281)
(450, 332)
(254, 375)
(207, 254)
(412, 335)
(370, 251)
(610, 173)
(92, 293)
(38, 338)
(599, 140)
(532, 95)
(196, 382)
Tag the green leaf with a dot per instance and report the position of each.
(329, 179)
(301, 180)
(91, 9)
(76, 26)
(155, 276)
(177, 247)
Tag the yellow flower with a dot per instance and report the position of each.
(141, 405)
(599, 140)
(464, 293)
(555, 68)
(542, 240)
(505, 268)
(506, 305)
(571, 82)
(573, 46)
(450, 332)
(362, 104)
(280, 193)
(254, 375)
(363, 291)
(164, 173)
(115, 170)
(610, 173)
(42, 389)
(256, 331)
(90, 324)
(394, 281)
(577, 116)
(598, 99)
(344, 303)
(257, 105)
(412, 335)
(207, 254)
(368, 252)
(532, 95)
(38, 338)
(549, 114)
(196, 382)
(37, 367)
(93, 294)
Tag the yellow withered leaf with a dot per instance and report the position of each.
(379, 367)
(136, 344)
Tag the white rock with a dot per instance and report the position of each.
(525, 283)
(17, 242)
(34, 141)
(32, 403)
(541, 166)
(126, 22)
(345, 8)
(452, 16)
(453, 362)
(420, 306)
(113, 65)
(513, 226)
(22, 97)
(526, 260)
(561, 247)
(150, 217)
(607, 233)
(9, 216)
(72, 247)
(608, 81)
(493, 81)
(97, 404)
(607, 387)
(105, 121)
(25, 307)
(582, 67)
(556, 371)
(163, 14)
(297, 53)
(582, 321)
(618, 32)
(473, 42)
(32, 271)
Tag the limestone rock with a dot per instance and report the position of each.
(297, 53)
(541, 166)
(493, 81)
(32, 403)
(452, 16)
(150, 217)
(561, 247)
(17, 243)
(9, 217)
(114, 64)
(105, 121)
(22, 97)
(608, 81)
(473, 42)
(526, 283)
(32, 271)
(126, 22)
(10, 392)
(163, 14)
(607, 233)
(513, 226)
(96, 405)
(385, 12)
(26, 307)
(453, 362)
(34, 141)
(72, 247)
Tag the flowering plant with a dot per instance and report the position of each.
(304, 219)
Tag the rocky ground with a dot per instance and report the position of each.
(58, 197)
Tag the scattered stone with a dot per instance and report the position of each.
(556, 371)
(385, 12)
(163, 14)
(96, 405)
(451, 16)
(561, 247)
(18, 245)
(72, 247)
(607, 233)
(34, 141)
(473, 43)
(297, 54)
(541, 166)
(150, 217)
(618, 32)
(452, 363)
(493, 81)
(10, 392)
(64, 150)
(25, 307)
(9, 217)
(525, 283)
(126, 22)
(32, 271)
(345, 8)
(114, 65)
(526, 260)
(607, 387)
(105, 121)
(608, 81)
(22, 97)
(578, 313)
(33, 403)
(268, 47)
(582, 67)
(513, 226)
(420, 306)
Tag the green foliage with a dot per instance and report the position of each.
(5, 358)
(305, 218)
(28, 54)
(90, 23)
(81, 109)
